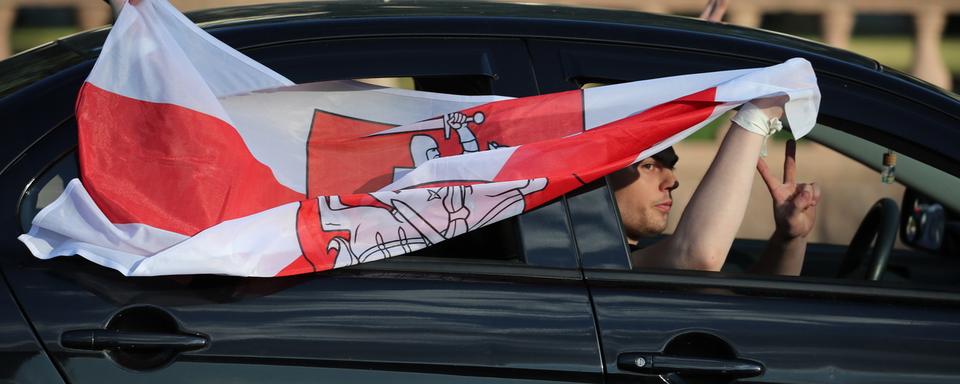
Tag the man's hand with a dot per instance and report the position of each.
(794, 205)
(771, 106)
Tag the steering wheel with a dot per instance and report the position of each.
(881, 223)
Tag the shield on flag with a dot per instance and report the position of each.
(349, 155)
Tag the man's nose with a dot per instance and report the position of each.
(669, 181)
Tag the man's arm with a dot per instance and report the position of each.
(794, 211)
(710, 221)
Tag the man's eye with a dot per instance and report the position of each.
(648, 167)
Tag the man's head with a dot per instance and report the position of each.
(643, 191)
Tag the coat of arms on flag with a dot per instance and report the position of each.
(204, 161)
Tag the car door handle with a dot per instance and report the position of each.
(101, 339)
(661, 364)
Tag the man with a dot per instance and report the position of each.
(709, 224)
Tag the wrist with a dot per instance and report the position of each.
(758, 120)
(784, 236)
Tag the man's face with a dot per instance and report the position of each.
(643, 193)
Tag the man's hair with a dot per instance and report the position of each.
(667, 157)
(623, 177)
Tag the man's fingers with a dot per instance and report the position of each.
(768, 178)
(790, 162)
(714, 10)
(816, 193)
(807, 196)
(711, 5)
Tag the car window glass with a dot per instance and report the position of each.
(471, 85)
(46, 188)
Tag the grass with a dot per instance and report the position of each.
(897, 51)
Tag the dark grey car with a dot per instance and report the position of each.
(546, 297)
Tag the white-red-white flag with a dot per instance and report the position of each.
(196, 159)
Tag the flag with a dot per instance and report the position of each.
(196, 159)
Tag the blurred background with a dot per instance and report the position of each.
(920, 37)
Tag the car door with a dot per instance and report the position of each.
(506, 304)
(674, 326)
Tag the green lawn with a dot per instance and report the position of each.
(22, 39)
(896, 51)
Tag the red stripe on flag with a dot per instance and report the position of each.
(571, 161)
(515, 122)
(341, 160)
(167, 166)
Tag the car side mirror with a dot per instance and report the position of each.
(922, 221)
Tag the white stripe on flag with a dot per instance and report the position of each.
(476, 166)
(73, 224)
(152, 44)
(259, 245)
(256, 245)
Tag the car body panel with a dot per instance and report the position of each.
(799, 338)
(22, 357)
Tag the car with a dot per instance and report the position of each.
(549, 296)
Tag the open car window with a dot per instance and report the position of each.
(925, 254)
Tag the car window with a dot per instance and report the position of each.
(46, 188)
(849, 170)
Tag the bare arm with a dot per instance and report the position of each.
(711, 219)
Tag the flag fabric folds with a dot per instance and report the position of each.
(196, 159)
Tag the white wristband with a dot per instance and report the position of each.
(752, 119)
